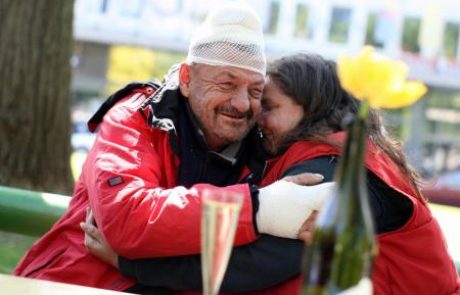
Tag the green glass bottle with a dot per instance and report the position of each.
(343, 246)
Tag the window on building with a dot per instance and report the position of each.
(340, 25)
(273, 18)
(411, 31)
(442, 122)
(302, 22)
(370, 28)
(104, 4)
(130, 9)
(375, 30)
(451, 36)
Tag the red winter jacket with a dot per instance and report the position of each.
(129, 180)
(412, 259)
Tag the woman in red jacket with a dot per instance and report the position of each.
(303, 109)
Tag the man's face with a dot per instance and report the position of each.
(225, 100)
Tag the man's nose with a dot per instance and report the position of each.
(241, 101)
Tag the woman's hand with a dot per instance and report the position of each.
(305, 178)
(95, 242)
(307, 229)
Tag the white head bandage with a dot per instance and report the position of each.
(231, 35)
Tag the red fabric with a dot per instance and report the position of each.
(412, 259)
(141, 214)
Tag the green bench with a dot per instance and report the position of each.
(29, 213)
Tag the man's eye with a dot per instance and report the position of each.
(226, 85)
(266, 108)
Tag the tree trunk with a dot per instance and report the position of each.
(36, 42)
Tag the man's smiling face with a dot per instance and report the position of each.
(225, 100)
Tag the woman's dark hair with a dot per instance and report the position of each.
(312, 82)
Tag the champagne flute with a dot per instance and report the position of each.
(218, 225)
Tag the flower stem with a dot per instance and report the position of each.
(363, 109)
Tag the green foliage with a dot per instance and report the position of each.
(164, 60)
(12, 248)
(130, 63)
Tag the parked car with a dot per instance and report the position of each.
(445, 190)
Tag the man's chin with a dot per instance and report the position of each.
(233, 132)
(231, 137)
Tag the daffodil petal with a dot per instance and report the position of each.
(347, 76)
(378, 79)
(399, 72)
(408, 94)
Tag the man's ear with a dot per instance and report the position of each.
(184, 79)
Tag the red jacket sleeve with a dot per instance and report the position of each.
(126, 175)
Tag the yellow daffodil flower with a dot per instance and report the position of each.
(378, 79)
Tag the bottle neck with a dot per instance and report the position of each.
(351, 168)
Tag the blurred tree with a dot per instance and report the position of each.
(35, 49)
(130, 63)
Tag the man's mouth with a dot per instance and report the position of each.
(234, 116)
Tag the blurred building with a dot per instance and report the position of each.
(423, 33)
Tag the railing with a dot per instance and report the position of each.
(29, 213)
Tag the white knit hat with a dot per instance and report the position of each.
(231, 35)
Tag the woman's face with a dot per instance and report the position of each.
(280, 115)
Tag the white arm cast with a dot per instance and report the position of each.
(284, 206)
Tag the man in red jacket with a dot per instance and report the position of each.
(159, 146)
